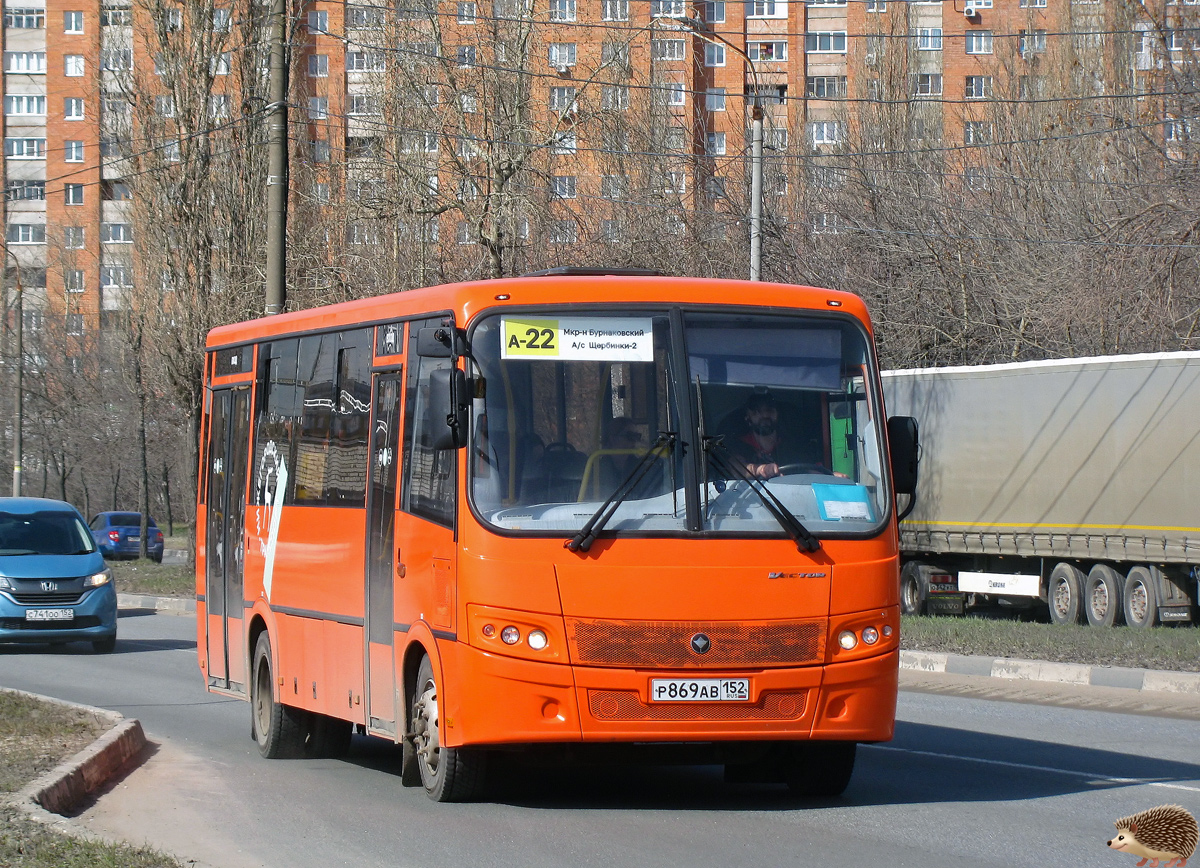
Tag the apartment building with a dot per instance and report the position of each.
(817, 69)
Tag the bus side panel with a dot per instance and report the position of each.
(861, 583)
(201, 603)
(342, 663)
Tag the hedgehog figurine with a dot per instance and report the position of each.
(1165, 834)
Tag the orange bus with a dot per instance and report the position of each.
(543, 511)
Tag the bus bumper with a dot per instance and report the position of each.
(505, 700)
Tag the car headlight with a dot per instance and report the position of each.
(5, 584)
(97, 579)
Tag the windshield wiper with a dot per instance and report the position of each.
(583, 540)
(725, 462)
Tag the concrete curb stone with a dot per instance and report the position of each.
(63, 788)
(1054, 673)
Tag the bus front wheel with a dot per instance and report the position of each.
(279, 729)
(820, 768)
(448, 774)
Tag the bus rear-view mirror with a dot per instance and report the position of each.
(448, 407)
(902, 449)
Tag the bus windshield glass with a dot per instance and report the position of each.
(575, 408)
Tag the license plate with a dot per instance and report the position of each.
(49, 614)
(134, 538)
(700, 690)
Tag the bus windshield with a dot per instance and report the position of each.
(575, 407)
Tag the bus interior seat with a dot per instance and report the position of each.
(562, 468)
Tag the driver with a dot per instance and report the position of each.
(761, 450)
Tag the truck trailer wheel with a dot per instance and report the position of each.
(1065, 594)
(1141, 598)
(1103, 596)
(914, 589)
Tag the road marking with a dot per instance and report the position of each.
(1033, 768)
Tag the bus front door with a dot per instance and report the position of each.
(229, 432)
(381, 538)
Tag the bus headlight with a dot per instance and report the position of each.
(870, 635)
(510, 635)
(847, 639)
(537, 640)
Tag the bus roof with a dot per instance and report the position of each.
(468, 299)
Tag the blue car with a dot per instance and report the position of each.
(54, 584)
(119, 535)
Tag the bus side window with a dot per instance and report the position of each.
(429, 473)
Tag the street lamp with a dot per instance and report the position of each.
(756, 143)
(18, 409)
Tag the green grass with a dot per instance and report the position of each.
(147, 577)
(35, 737)
(1174, 648)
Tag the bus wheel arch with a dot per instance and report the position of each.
(448, 774)
(410, 773)
(280, 730)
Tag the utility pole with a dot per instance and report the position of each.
(18, 392)
(277, 163)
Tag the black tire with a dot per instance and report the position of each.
(1064, 594)
(1141, 598)
(280, 730)
(328, 737)
(821, 768)
(448, 774)
(914, 589)
(1103, 596)
(105, 646)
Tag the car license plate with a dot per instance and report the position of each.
(700, 690)
(137, 537)
(49, 614)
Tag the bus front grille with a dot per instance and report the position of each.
(669, 644)
(628, 705)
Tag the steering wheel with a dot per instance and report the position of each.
(785, 469)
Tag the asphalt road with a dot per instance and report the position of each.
(967, 781)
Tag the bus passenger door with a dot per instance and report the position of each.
(381, 538)
(228, 445)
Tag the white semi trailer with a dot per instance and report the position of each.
(1072, 485)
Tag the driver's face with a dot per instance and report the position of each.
(761, 420)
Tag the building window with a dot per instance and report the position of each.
(614, 10)
(610, 231)
(318, 66)
(562, 10)
(73, 278)
(614, 187)
(562, 99)
(927, 84)
(979, 41)
(222, 21)
(1034, 4)
(21, 191)
(466, 12)
(73, 151)
(979, 87)
(877, 5)
(116, 59)
(715, 188)
(776, 140)
(25, 233)
(73, 108)
(73, 65)
(825, 223)
(766, 9)
(115, 275)
(714, 99)
(825, 42)
(218, 106)
(74, 323)
(561, 54)
(614, 54)
(668, 49)
(674, 139)
(73, 194)
(25, 61)
(824, 132)
(115, 191)
(826, 2)
(320, 151)
(25, 149)
(714, 11)
(25, 104)
(1031, 42)
(164, 106)
(26, 19)
(563, 186)
(318, 21)
(825, 86)
(73, 237)
(366, 61)
(714, 145)
(365, 17)
(929, 38)
(767, 50)
(714, 55)
(116, 16)
(116, 233)
(564, 143)
(668, 8)
(563, 232)
(72, 22)
(318, 108)
(365, 104)
(674, 92)
(676, 184)
(614, 98)
(977, 133)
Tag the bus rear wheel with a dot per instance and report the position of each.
(280, 730)
(821, 768)
(448, 774)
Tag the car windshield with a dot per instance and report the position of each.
(575, 409)
(44, 533)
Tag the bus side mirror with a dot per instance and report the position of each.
(447, 420)
(902, 450)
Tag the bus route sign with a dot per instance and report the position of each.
(605, 339)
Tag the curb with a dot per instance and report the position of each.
(1053, 673)
(170, 605)
(63, 788)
